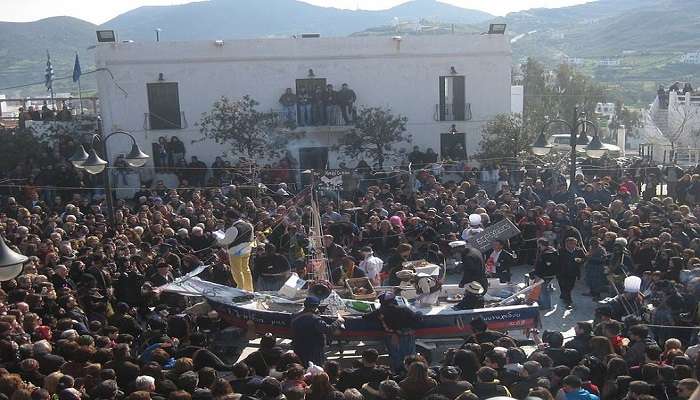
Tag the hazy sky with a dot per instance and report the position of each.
(99, 11)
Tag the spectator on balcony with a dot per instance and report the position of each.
(176, 150)
(304, 108)
(160, 149)
(331, 105)
(289, 105)
(346, 100)
(318, 114)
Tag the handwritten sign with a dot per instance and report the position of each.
(503, 229)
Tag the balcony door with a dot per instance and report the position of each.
(452, 98)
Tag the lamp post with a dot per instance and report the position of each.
(11, 262)
(93, 164)
(595, 149)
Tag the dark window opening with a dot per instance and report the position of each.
(452, 106)
(452, 146)
(164, 106)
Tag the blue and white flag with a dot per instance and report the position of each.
(49, 73)
(76, 69)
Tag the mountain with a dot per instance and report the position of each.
(223, 19)
(606, 28)
(24, 46)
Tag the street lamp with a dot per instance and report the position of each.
(595, 149)
(11, 262)
(93, 164)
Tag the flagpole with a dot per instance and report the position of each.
(80, 95)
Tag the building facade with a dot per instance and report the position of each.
(161, 89)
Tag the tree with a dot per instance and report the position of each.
(681, 120)
(504, 138)
(249, 132)
(555, 94)
(376, 134)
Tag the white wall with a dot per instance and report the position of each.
(517, 99)
(382, 71)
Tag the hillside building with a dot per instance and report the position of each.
(161, 89)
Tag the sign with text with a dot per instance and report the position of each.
(503, 229)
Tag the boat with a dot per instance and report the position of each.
(269, 313)
(264, 312)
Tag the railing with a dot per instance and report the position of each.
(453, 112)
(152, 121)
(313, 116)
(10, 108)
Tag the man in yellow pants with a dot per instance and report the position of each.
(238, 239)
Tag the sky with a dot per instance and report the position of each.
(99, 11)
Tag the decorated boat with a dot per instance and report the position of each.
(270, 313)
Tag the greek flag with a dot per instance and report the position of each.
(49, 72)
(76, 69)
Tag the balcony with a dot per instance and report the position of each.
(152, 121)
(453, 112)
(312, 117)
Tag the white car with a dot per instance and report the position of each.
(562, 142)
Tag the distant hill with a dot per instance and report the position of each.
(648, 36)
(24, 45)
(255, 18)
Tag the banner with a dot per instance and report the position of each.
(503, 229)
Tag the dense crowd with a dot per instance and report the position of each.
(84, 319)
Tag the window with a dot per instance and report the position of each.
(452, 105)
(163, 106)
(452, 146)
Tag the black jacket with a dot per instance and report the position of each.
(569, 268)
(547, 264)
(473, 267)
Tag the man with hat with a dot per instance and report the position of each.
(473, 297)
(309, 332)
(238, 239)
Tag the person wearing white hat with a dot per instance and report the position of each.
(474, 228)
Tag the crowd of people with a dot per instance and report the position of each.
(318, 105)
(84, 319)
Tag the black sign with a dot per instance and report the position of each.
(503, 229)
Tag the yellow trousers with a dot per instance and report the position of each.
(240, 271)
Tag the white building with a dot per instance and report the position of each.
(575, 61)
(691, 58)
(609, 62)
(517, 99)
(159, 89)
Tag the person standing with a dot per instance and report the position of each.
(238, 239)
(473, 268)
(346, 99)
(289, 105)
(309, 332)
(398, 324)
(546, 268)
(571, 259)
(304, 107)
(499, 261)
(330, 105)
(371, 265)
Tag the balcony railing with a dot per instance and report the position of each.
(310, 117)
(453, 112)
(152, 121)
